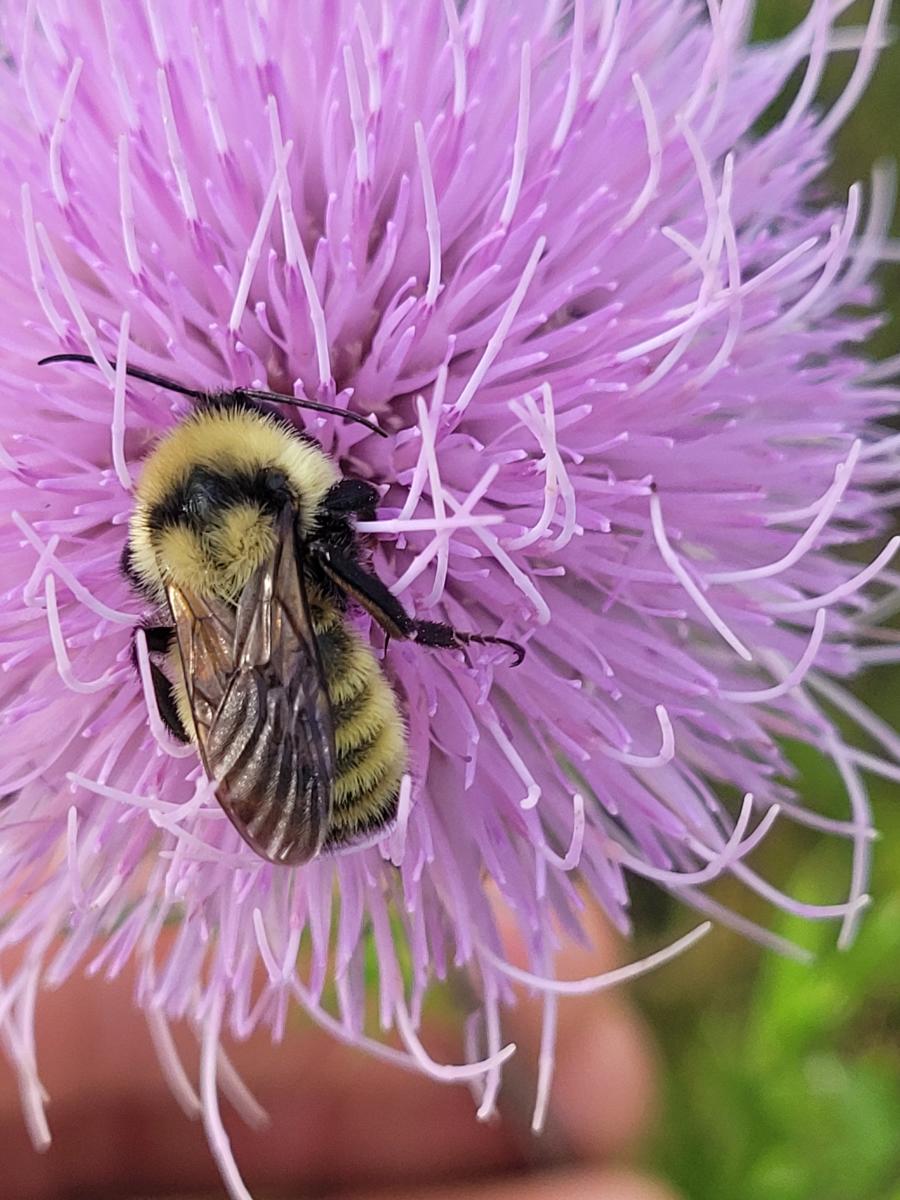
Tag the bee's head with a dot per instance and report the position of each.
(212, 532)
(209, 496)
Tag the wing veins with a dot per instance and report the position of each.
(258, 662)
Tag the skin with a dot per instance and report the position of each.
(341, 1124)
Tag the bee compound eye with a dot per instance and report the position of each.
(275, 480)
(203, 494)
(274, 489)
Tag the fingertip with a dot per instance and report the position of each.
(600, 950)
(569, 1184)
(605, 1090)
(618, 1183)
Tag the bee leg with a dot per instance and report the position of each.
(444, 637)
(159, 640)
(368, 590)
(351, 497)
(165, 702)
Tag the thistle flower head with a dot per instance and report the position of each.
(612, 342)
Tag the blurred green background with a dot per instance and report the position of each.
(782, 1080)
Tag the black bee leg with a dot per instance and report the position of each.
(165, 702)
(445, 637)
(159, 640)
(368, 590)
(351, 497)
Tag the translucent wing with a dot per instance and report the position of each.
(257, 695)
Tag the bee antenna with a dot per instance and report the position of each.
(195, 394)
(134, 372)
(313, 405)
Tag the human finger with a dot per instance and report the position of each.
(338, 1118)
(604, 1093)
(591, 1183)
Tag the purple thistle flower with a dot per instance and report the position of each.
(612, 342)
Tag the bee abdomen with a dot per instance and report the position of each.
(370, 739)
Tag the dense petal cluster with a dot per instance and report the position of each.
(612, 342)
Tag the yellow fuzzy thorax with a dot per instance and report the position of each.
(221, 559)
(221, 562)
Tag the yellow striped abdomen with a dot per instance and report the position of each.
(369, 734)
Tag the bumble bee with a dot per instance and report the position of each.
(243, 539)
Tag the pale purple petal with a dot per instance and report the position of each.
(612, 335)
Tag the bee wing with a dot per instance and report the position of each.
(257, 695)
